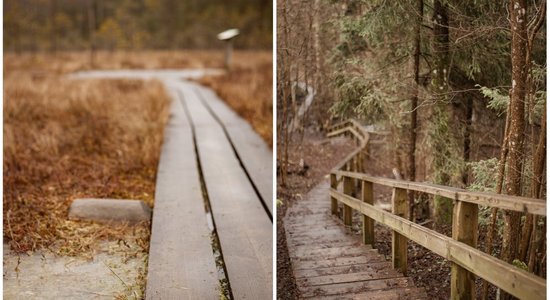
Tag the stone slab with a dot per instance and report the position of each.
(110, 210)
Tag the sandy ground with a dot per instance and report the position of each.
(115, 271)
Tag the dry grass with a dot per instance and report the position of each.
(99, 138)
(65, 62)
(248, 90)
(70, 139)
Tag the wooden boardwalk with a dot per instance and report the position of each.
(212, 220)
(329, 262)
(216, 148)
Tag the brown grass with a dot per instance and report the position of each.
(70, 139)
(248, 90)
(64, 62)
(99, 138)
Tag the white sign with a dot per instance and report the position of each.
(228, 34)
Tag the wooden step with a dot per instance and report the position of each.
(330, 262)
(408, 293)
(377, 269)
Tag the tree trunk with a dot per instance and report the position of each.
(91, 28)
(498, 190)
(512, 220)
(414, 105)
(467, 139)
(441, 136)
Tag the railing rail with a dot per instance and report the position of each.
(467, 261)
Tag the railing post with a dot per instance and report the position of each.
(399, 242)
(333, 201)
(368, 223)
(348, 190)
(465, 221)
(361, 161)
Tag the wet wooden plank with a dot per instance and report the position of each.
(242, 224)
(341, 278)
(328, 253)
(335, 262)
(258, 156)
(409, 293)
(378, 270)
(297, 249)
(340, 289)
(181, 261)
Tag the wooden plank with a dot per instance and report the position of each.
(368, 223)
(242, 224)
(513, 280)
(348, 190)
(339, 289)
(339, 278)
(464, 230)
(256, 156)
(340, 261)
(348, 243)
(294, 228)
(333, 201)
(378, 270)
(403, 184)
(391, 294)
(325, 240)
(327, 253)
(399, 242)
(514, 203)
(181, 261)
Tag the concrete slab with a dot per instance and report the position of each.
(110, 210)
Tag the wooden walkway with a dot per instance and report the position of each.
(203, 147)
(212, 220)
(331, 263)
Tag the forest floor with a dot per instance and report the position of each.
(67, 139)
(427, 269)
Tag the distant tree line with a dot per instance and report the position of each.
(58, 25)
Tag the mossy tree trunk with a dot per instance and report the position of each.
(440, 133)
(414, 105)
(512, 220)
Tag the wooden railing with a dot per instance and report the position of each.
(460, 250)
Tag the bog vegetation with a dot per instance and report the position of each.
(71, 139)
(65, 139)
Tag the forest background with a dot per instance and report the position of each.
(53, 25)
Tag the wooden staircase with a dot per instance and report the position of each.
(329, 262)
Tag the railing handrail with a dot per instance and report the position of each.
(507, 202)
(357, 130)
(511, 279)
